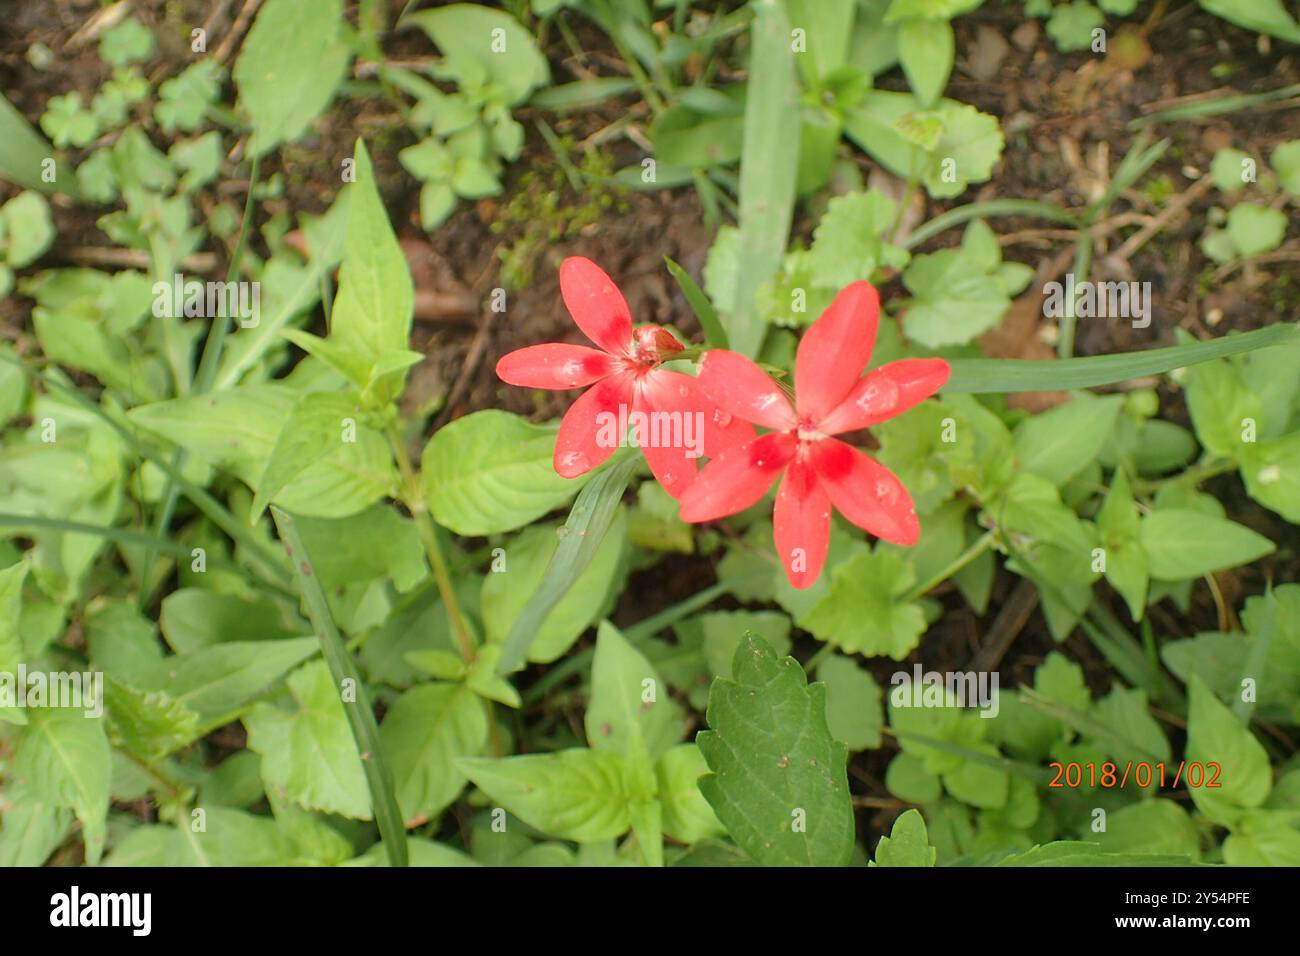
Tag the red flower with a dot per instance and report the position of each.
(673, 421)
(820, 471)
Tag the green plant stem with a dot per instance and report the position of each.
(1080, 269)
(1203, 471)
(981, 544)
(413, 499)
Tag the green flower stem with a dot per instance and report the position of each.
(413, 499)
(982, 544)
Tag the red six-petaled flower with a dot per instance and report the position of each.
(626, 381)
(820, 471)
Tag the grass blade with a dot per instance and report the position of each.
(361, 718)
(584, 530)
(1032, 375)
(769, 162)
(714, 333)
(994, 207)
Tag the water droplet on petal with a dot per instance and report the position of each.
(720, 418)
(575, 462)
(880, 395)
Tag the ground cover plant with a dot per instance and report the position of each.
(649, 433)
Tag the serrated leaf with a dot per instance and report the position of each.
(908, 844)
(863, 612)
(778, 782)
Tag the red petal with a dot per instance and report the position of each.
(586, 439)
(555, 366)
(801, 524)
(687, 426)
(885, 392)
(737, 478)
(866, 492)
(835, 350)
(596, 304)
(745, 390)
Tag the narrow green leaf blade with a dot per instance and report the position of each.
(583, 532)
(1027, 375)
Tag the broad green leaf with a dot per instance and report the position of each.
(1152, 826)
(1224, 412)
(956, 299)
(1271, 471)
(1263, 16)
(778, 780)
(687, 816)
(1256, 229)
(849, 244)
(63, 760)
(191, 618)
(215, 682)
(1181, 543)
(1060, 442)
(1071, 24)
(1230, 169)
(11, 602)
(423, 734)
(506, 592)
(925, 50)
(853, 710)
(319, 423)
(627, 697)
(571, 795)
(1215, 736)
(486, 45)
(1286, 163)
(968, 146)
(863, 613)
(492, 471)
(907, 844)
(24, 154)
(307, 750)
(288, 67)
(1263, 839)
(237, 430)
(907, 778)
(371, 321)
(31, 832)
